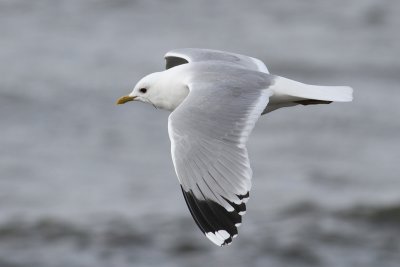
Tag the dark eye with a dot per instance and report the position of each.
(143, 90)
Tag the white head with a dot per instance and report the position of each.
(159, 90)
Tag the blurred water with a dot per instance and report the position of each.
(86, 183)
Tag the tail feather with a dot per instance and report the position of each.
(288, 93)
(283, 86)
(306, 102)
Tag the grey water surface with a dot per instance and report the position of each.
(84, 182)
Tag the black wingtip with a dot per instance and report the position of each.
(218, 224)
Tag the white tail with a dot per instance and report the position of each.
(287, 93)
(283, 86)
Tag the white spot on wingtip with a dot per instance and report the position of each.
(241, 213)
(229, 208)
(224, 234)
(219, 237)
(244, 200)
(238, 201)
(213, 237)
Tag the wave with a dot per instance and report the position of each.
(385, 214)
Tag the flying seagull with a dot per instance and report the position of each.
(216, 98)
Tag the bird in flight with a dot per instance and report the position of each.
(215, 99)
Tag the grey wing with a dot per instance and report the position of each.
(208, 133)
(186, 55)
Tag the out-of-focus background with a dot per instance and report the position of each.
(84, 182)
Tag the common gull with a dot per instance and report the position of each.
(216, 98)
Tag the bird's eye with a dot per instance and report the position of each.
(143, 90)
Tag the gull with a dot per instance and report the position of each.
(215, 99)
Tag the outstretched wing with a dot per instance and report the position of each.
(208, 133)
(186, 55)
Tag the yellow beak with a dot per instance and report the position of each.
(125, 99)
